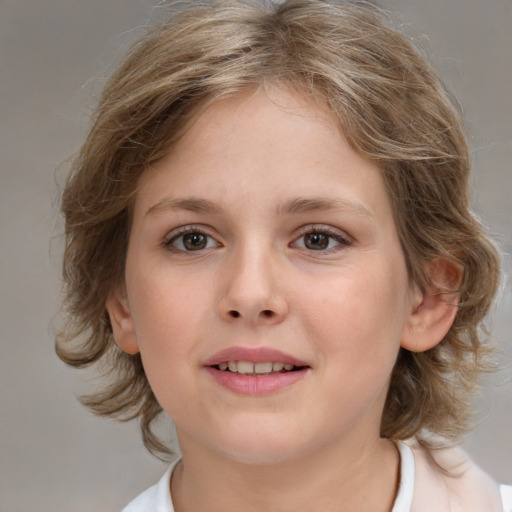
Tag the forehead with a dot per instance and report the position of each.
(275, 108)
(263, 144)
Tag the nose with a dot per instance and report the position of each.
(252, 290)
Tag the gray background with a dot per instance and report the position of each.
(54, 54)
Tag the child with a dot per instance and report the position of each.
(269, 240)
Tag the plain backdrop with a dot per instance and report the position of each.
(54, 55)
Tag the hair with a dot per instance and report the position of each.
(392, 108)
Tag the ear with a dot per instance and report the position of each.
(433, 309)
(122, 321)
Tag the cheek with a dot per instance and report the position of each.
(360, 318)
(165, 329)
(167, 314)
(165, 305)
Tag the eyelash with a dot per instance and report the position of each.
(181, 232)
(342, 240)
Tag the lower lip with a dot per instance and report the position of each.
(256, 384)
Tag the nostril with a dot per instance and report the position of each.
(266, 313)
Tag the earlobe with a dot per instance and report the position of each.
(434, 309)
(121, 320)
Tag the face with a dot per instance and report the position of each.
(266, 288)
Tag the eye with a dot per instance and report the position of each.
(190, 239)
(321, 239)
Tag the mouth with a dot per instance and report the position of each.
(255, 371)
(262, 368)
(254, 360)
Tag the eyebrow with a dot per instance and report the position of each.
(292, 206)
(189, 204)
(321, 204)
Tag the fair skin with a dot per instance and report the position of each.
(264, 231)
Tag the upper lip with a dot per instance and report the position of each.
(253, 355)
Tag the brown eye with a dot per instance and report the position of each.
(191, 241)
(194, 241)
(316, 241)
(322, 239)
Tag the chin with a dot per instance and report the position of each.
(261, 455)
(263, 448)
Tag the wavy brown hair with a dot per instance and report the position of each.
(392, 108)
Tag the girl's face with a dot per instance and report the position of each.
(262, 241)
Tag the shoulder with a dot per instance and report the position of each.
(144, 502)
(506, 496)
(155, 499)
(465, 487)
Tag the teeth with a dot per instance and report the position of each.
(262, 367)
(277, 367)
(246, 367)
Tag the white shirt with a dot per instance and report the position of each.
(158, 497)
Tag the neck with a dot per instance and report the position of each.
(358, 475)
